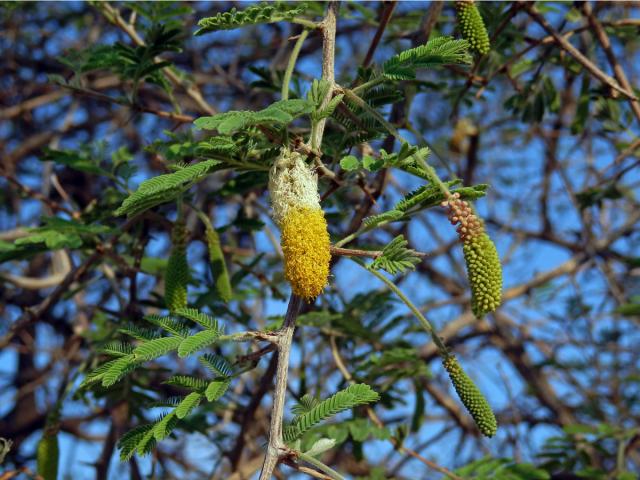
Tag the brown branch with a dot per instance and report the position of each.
(285, 336)
(575, 53)
(52, 204)
(603, 38)
(33, 314)
(428, 22)
(385, 16)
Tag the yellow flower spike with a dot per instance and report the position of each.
(296, 210)
(305, 244)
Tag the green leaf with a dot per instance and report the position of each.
(349, 163)
(438, 51)
(382, 218)
(317, 93)
(328, 110)
(187, 381)
(197, 341)
(174, 327)
(156, 348)
(117, 349)
(53, 240)
(216, 389)
(117, 369)
(431, 195)
(147, 442)
(200, 318)
(305, 404)
(350, 397)
(81, 160)
(164, 427)
(190, 402)
(628, 309)
(371, 163)
(321, 446)
(256, 14)
(279, 113)
(128, 62)
(216, 364)
(55, 234)
(164, 188)
(130, 441)
(396, 257)
(221, 145)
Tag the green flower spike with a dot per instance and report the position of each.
(471, 397)
(472, 26)
(47, 455)
(177, 273)
(483, 264)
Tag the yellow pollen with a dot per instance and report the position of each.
(305, 244)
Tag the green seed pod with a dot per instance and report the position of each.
(218, 265)
(484, 272)
(471, 397)
(177, 273)
(47, 456)
(472, 26)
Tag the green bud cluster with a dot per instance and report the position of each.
(47, 456)
(472, 26)
(484, 272)
(471, 397)
(177, 273)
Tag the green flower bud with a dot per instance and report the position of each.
(472, 26)
(484, 272)
(471, 397)
(47, 456)
(177, 273)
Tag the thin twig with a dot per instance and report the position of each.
(352, 252)
(603, 38)
(385, 16)
(331, 473)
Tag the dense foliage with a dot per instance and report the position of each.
(319, 240)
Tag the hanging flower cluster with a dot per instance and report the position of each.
(471, 397)
(293, 187)
(480, 255)
(472, 26)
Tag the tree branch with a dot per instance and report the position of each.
(575, 53)
(285, 336)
